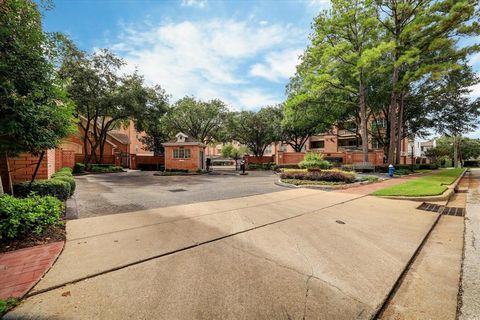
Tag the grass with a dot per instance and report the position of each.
(431, 185)
(6, 305)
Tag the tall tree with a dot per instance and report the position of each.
(152, 120)
(345, 45)
(203, 121)
(35, 113)
(303, 117)
(256, 130)
(455, 112)
(423, 38)
(104, 99)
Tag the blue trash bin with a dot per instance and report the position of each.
(391, 170)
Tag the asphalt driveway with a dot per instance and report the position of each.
(103, 194)
(295, 254)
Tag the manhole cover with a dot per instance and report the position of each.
(177, 190)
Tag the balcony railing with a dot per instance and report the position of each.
(344, 132)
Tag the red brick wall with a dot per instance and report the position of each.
(107, 159)
(137, 160)
(289, 157)
(264, 159)
(191, 164)
(68, 158)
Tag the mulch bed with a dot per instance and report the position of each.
(52, 234)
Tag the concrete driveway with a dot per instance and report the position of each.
(103, 194)
(295, 254)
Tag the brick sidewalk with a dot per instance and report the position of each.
(372, 187)
(20, 270)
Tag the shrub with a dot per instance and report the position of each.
(70, 180)
(151, 167)
(104, 168)
(279, 167)
(21, 216)
(326, 175)
(79, 168)
(58, 188)
(314, 160)
(177, 170)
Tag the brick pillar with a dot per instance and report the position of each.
(133, 161)
(118, 161)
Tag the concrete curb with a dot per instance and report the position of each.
(446, 195)
(380, 308)
(325, 187)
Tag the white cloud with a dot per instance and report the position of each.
(475, 91)
(318, 4)
(194, 3)
(278, 66)
(210, 59)
(474, 59)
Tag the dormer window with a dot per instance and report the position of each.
(181, 137)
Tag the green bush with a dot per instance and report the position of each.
(314, 160)
(279, 167)
(70, 180)
(79, 168)
(58, 188)
(104, 168)
(177, 170)
(327, 175)
(21, 216)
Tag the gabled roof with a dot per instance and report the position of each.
(183, 139)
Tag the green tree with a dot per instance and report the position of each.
(203, 121)
(345, 47)
(152, 120)
(455, 112)
(230, 151)
(423, 40)
(35, 113)
(257, 130)
(105, 99)
(303, 117)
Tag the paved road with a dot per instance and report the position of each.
(102, 194)
(471, 265)
(285, 255)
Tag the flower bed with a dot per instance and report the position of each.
(323, 176)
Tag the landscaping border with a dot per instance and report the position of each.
(445, 196)
(326, 187)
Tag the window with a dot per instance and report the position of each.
(283, 147)
(181, 153)
(317, 144)
(268, 150)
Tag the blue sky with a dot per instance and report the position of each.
(242, 51)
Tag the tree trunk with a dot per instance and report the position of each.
(398, 152)
(36, 168)
(392, 113)
(455, 151)
(1, 187)
(363, 120)
(10, 182)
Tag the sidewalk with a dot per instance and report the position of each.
(22, 269)
(470, 302)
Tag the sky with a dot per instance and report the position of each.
(240, 51)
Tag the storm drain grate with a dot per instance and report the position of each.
(450, 211)
(430, 207)
(177, 190)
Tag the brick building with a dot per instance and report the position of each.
(184, 153)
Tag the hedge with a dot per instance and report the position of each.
(61, 185)
(79, 168)
(325, 175)
(22, 216)
(261, 166)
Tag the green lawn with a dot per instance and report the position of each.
(431, 185)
